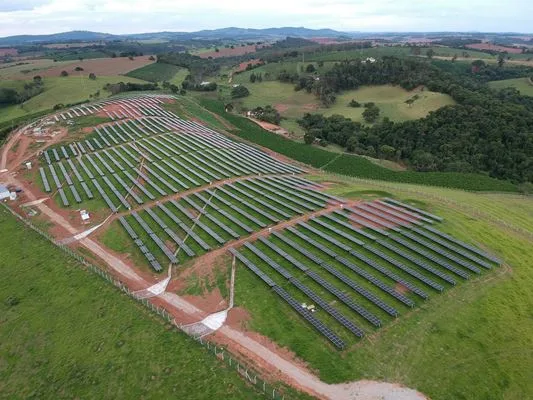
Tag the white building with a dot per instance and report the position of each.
(4, 192)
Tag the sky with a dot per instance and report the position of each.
(138, 16)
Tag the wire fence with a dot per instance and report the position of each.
(221, 353)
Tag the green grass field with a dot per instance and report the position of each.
(66, 90)
(524, 85)
(390, 99)
(473, 341)
(72, 335)
(391, 102)
(156, 72)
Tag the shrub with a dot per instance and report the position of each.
(239, 92)
(63, 73)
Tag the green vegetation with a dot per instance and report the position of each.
(391, 101)
(156, 72)
(62, 91)
(350, 164)
(479, 331)
(66, 333)
(524, 85)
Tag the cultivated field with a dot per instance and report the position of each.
(156, 72)
(524, 85)
(238, 50)
(494, 47)
(98, 66)
(27, 69)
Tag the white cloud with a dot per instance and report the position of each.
(130, 16)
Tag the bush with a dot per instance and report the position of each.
(239, 92)
(78, 69)
(92, 76)
(63, 73)
(354, 104)
(371, 114)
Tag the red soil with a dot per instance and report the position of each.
(493, 47)
(229, 52)
(99, 66)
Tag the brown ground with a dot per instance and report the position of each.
(8, 52)
(493, 47)
(242, 66)
(228, 52)
(98, 66)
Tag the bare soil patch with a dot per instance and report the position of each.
(100, 66)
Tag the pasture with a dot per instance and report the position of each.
(524, 85)
(71, 89)
(66, 333)
(391, 101)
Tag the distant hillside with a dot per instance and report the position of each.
(56, 37)
(224, 33)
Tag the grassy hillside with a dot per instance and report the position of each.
(156, 72)
(65, 333)
(391, 102)
(524, 85)
(66, 90)
(471, 342)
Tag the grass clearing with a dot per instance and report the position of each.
(391, 101)
(524, 85)
(74, 335)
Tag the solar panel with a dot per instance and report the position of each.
(65, 173)
(441, 252)
(128, 189)
(75, 170)
(404, 211)
(45, 180)
(407, 206)
(150, 182)
(407, 270)
(453, 248)
(309, 199)
(105, 196)
(161, 179)
(96, 167)
(63, 197)
(272, 198)
(259, 201)
(116, 192)
(338, 231)
(463, 244)
(268, 260)
(417, 261)
(359, 221)
(252, 267)
(250, 206)
(185, 228)
(363, 292)
(430, 256)
(87, 190)
(138, 184)
(169, 232)
(213, 219)
(75, 193)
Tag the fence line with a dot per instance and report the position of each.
(220, 353)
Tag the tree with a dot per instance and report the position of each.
(37, 79)
(353, 103)
(430, 53)
(477, 65)
(387, 152)
(253, 78)
(239, 91)
(371, 114)
(310, 68)
(92, 76)
(216, 50)
(151, 58)
(63, 73)
(501, 60)
(78, 69)
(454, 58)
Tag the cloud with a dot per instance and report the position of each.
(132, 16)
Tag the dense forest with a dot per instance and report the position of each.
(486, 131)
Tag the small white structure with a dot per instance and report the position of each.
(28, 164)
(4, 192)
(12, 195)
(84, 215)
(205, 83)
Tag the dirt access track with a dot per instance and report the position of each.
(272, 363)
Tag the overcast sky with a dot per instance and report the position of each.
(136, 16)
